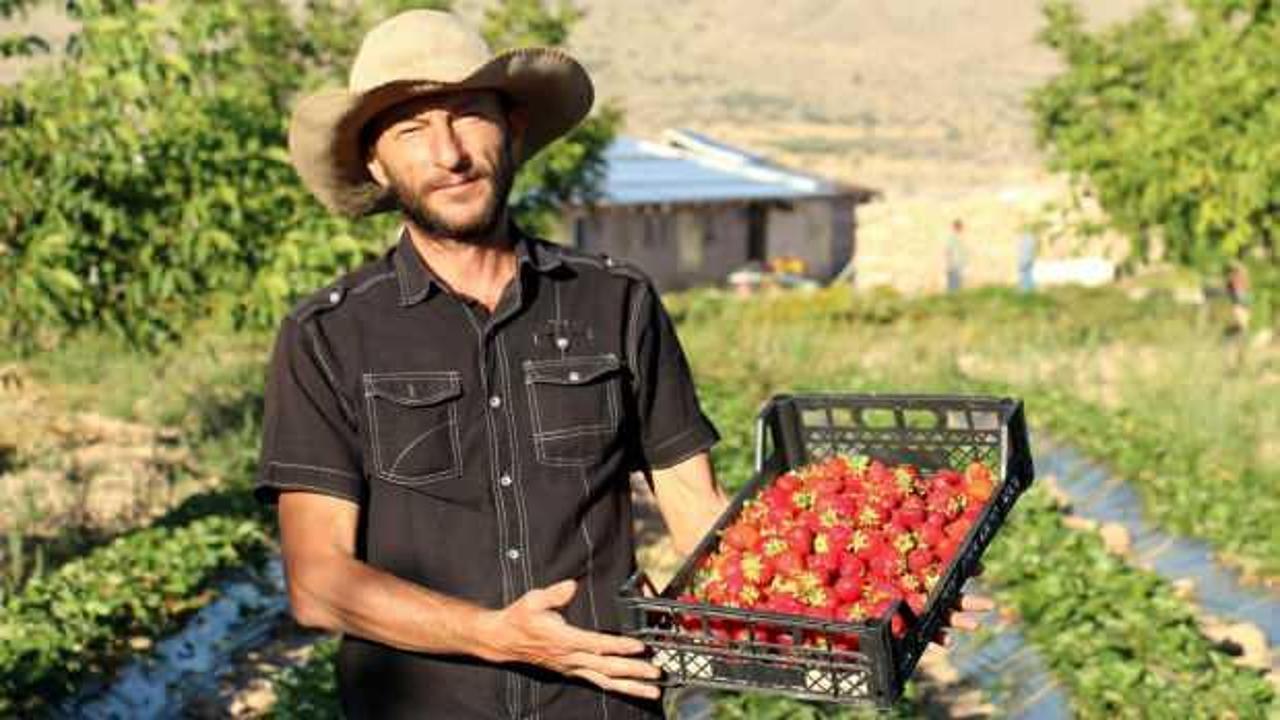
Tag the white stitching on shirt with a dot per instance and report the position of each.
(317, 468)
(329, 375)
(591, 594)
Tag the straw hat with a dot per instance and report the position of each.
(417, 53)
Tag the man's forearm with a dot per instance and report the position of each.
(345, 595)
(689, 499)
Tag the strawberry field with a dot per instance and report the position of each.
(1100, 372)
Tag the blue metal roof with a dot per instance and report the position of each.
(641, 173)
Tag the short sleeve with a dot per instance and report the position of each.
(672, 426)
(309, 440)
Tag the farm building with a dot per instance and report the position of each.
(690, 211)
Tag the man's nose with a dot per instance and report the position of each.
(446, 151)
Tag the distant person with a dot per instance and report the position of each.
(1028, 248)
(1238, 294)
(955, 257)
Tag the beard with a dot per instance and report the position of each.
(478, 229)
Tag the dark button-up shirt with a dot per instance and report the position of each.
(489, 453)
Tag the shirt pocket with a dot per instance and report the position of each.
(413, 424)
(575, 403)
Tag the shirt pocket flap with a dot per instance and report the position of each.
(571, 371)
(416, 390)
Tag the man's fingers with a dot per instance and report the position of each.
(964, 621)
(626, 687)
(976, 603)
(613, 666)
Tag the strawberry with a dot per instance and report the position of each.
(742, 536)
(852, 566)
(957, 530)
(788, 483)
(947, 549)
(919, 559)
(949, 477)
(845, 643)
(931, 533)
(848, 588)
(978, 483)
(789, 564)
(800, 539)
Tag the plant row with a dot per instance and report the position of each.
(77, 621)
(1116, 636)
(1222, 500)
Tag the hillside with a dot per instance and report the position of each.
(922, 100)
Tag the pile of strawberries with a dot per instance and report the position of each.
(841, 539)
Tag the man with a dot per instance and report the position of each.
(1028, 248)
(449, 429)
(955, 256)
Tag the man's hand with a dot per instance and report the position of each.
(967, 613)
(530, 630)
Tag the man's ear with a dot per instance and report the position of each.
(376, 169)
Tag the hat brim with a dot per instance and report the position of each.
(324, 131)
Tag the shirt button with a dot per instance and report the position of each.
(335, 297)
(513, 554)
(562, 343)
(495, 402)
(574, 376)
(505, 481)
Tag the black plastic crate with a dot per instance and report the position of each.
(933, 432)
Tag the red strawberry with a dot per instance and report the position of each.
(789, 563)
(956, 530)
(787, 483)
(742, 536)
(845, 643)
(947, 549)
(852, 566)
(911, 513)
(785, 604)
(800, 539)
(825, 565)
(919, 559)
(828, 485)
(949, 477)
(898, 626)
(931, 533)
(839, 537)
(848, 589)
(879, 475)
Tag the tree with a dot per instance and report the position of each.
(144, 183)
(1172, 119)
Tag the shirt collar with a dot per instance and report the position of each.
(417, 281)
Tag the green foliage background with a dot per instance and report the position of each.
(1173, 119)
(144, 183)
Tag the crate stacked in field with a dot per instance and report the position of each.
(829, 573)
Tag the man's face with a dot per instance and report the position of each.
(447, 159)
